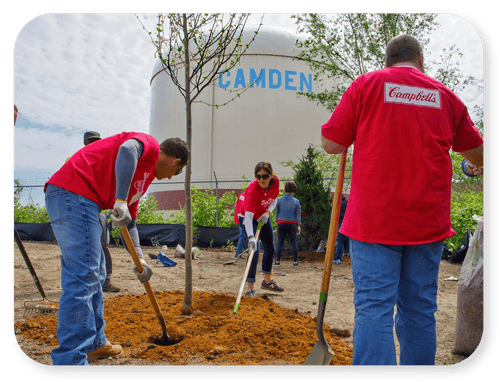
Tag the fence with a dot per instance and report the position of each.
(169, 194)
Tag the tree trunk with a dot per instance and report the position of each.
(188, 292)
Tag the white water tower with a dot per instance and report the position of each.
(267, 122)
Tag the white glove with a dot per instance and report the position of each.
(264, 218)
(252, 243)
(146, 274)
(121, 215)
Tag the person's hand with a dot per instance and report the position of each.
(121, 215)
(298, 230)
(264, 218)
(470, 170)
(146, 273)
(252, 243)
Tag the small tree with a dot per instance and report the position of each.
(314, 197)
(194, 52)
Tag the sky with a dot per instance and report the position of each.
(79, 72)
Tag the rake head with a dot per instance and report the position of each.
(34, 309)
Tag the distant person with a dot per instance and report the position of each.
(111, 173)
(404, 123)
(260, 201)
(288, 218)
(342, 245)
(15, 114)
(88, 138)
(242, 239)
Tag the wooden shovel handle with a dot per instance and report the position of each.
(140, 269)
(334, 224)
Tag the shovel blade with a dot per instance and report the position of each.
(321, 354)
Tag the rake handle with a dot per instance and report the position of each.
(28, 263)
(247, 268)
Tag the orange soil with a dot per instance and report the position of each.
(275, 336)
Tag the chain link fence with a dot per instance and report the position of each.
(169, 195)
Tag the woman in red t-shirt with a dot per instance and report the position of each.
(260, 201)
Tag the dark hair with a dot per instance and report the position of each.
(290, 187)
(268, 168)
(401, 49)
(176, 147)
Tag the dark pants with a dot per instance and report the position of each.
(284, 230)
(104, 242)
(266, 236)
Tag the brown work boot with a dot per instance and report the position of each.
(108, 350)
(108, 287)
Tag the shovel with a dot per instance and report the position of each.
(221, 321)
(165, 339)
(322, 354)
(236, 259)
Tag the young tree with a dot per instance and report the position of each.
(314, 198)
(346, 45)
(196, 50)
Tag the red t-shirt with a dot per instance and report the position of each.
(403, 124)
(257, 199)
(239, 208)
(90, 172)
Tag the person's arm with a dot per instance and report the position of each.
(474, 156)
(331, 147)
(248, 223)
(272, 206)
(134, 235)
(126, 163)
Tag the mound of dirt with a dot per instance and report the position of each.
(262, 332)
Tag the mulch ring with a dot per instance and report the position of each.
(272, 335)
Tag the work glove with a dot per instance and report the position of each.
(146, 274)
(264, 218)
(298, 230)
(121, 215)
(252, 243)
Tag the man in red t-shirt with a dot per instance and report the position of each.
(112, 173)
(403, 124)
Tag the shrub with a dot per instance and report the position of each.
(463, 207)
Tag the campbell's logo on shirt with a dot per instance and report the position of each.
(266, 203)
(412, 95)
(139, 188)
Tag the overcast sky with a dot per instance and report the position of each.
(79, 72)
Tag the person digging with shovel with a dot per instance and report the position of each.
(74, 197)
(403, 124)
(260, 200)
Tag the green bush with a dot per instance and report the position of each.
(203, 204)
(314, 197)
(463, 207)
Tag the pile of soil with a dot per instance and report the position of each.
(261, 332)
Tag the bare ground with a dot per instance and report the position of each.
(301, 285)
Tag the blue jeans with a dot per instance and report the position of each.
(76, 225)
(389, 275)
(266, 236)
(285, 229)
(341, 247)
(242, 241)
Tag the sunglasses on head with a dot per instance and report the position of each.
(264, 176)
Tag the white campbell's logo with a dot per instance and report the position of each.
(412, 95)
